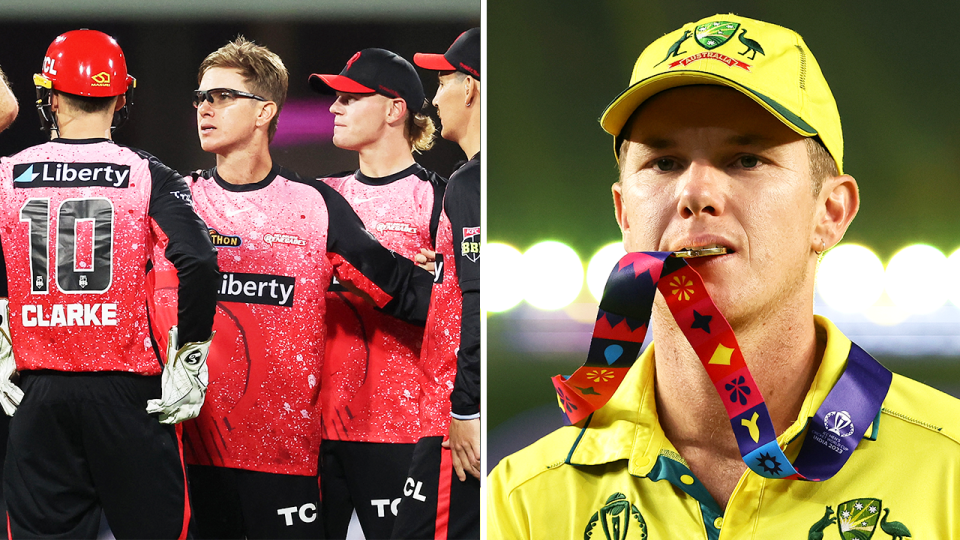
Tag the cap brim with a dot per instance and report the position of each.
(434, 62)
(331, 84)
(616, 114)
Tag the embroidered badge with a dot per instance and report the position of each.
(714, 34)
(615, 520)
(470, 247)
(858, 519)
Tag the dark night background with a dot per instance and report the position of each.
(555, 65)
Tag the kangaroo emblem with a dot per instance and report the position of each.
(816, 531)
(675, 48)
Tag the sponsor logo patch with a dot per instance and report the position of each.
(256, 289)
(398, 227)
(289, 239)
(52, 174)
(224, 240)
(101, 79)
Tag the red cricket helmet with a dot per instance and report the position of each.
(84, 63)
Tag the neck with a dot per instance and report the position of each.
(470, 142)
(783, 364)
(385, 157)
(83, 126)
(246, 165)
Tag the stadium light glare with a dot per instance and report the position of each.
(600, 266)
(917, 279)
(503, 289)
(850, 278)
(953, 282)
(552, 275)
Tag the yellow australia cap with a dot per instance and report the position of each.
(768, 63)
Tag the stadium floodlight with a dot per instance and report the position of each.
(600, 266)
(552, 275)
(502, 283)
(917, 279)
(850, 278)
(953, 282)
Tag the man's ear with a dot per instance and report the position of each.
(121, 101)
(837, 205)
(397, 110)
(471, 91)
(618, 212)
(268, 110)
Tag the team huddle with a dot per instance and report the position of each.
(240, 351)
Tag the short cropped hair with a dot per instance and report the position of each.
(87, 104)
(261, 69)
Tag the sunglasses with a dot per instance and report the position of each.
(221, 97)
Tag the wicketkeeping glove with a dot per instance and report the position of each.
(184, 381)
(10, 393)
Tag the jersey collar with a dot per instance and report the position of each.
(389, 179)
(274, 172)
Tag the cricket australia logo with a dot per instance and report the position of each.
(714, 34)
(839, 423)
(619, 519)
(858, 519)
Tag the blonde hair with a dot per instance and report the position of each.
(420, 131)
(262, 70)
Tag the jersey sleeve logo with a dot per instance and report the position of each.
(470, 247)
(224, 240)
(59, 175)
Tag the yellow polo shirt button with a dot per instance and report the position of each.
(642, 462)
(718, 522)
(687, 479)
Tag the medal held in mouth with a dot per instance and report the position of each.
(622, 320)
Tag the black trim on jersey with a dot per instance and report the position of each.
(462, 205)
(190, 250)
(271, 176)
(408, 285)
(95, 140)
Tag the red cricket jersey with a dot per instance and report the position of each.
(450, 356)
(280, 241)
(371, 374)
(78, 223)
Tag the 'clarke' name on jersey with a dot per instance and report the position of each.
(70, 315)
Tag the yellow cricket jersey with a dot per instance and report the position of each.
(620, 478)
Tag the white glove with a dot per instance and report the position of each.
(10, 394)
(184, 380)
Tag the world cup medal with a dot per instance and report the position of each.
(703, 252)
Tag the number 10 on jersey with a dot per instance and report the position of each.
(84, 252)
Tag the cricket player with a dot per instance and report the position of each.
(749, 416)
(79, 219)
(372, 377)
(442, 491)
(252, 453)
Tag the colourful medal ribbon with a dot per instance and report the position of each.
(832, 435)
